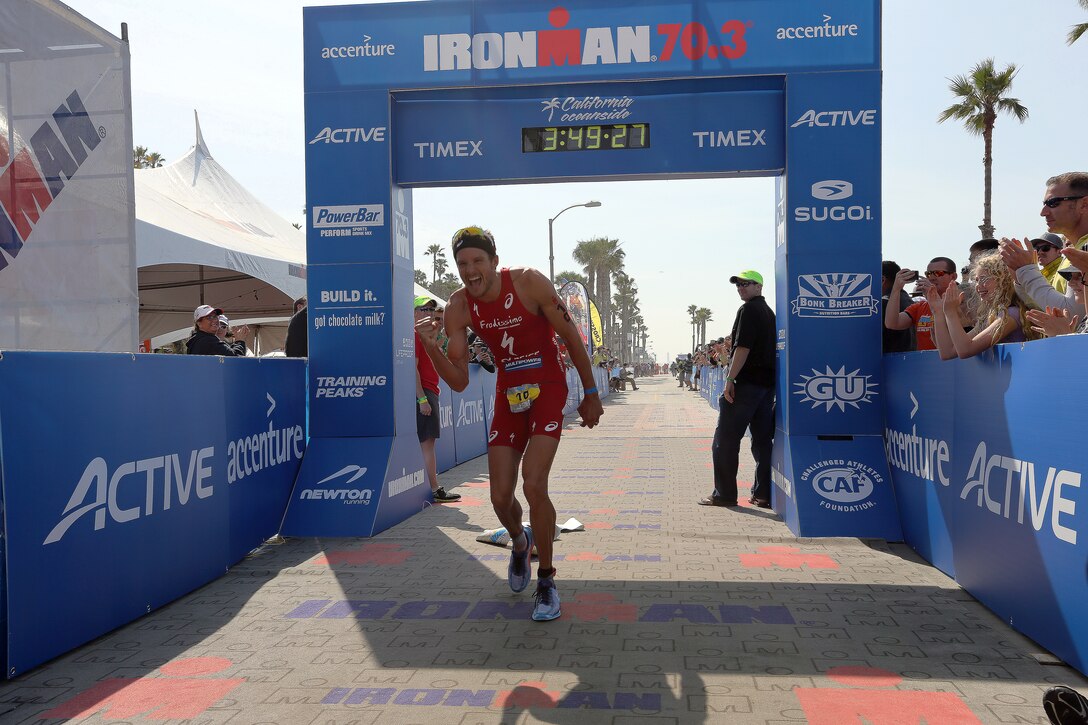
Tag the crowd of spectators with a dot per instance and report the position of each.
(1011, 290)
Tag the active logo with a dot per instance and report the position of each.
(832, 190)
(824, 119)
(365, 50)
(353, 220)
(843, 485)
(470, 412)
(835, 389)
(835, 295)
(344, 477)
(562, 46)
(826, 29)
(36, 174)
(1017, 489)
(350, 135)
(588, 108)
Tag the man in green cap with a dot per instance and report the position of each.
(748, 398)
(428, 425)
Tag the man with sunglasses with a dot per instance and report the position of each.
(940, 273)
(517, 313)
(1065, 208)
(747, 400)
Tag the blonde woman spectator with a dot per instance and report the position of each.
(1002, 316)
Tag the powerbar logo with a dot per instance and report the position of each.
(26, 192)
(350, 386)
(355, 220)
(835, 295)
(345, 476)
(560, 45)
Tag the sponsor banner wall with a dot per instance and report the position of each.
(168, 496)
(67, 249)
(493, 42)
(468, 431)
(445, 449)
(997, 496)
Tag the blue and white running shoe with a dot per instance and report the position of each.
(547, 601)
(520, 572)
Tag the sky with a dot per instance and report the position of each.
(239, 64)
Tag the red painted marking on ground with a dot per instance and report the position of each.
(380, 554)
(605, 512)
(864, 676)
(600, 607)
(526, 696)
(583, 556)
(193, 666)
(613, 492)
(786, 557)
(624, 469)
(476, 484)
(883, 707)
(621, 476)
(464, 501)
(599, 525)
(153, 698)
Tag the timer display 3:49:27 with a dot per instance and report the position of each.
(586, 138)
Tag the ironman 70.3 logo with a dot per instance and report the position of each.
(560, 45)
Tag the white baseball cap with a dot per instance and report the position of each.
(204, 311)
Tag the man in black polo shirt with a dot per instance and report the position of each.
(748, 398)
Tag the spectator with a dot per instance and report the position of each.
(1048, 250)
(1002, 315)
(748, 397)
(296, 344)
(1053, 322)
(1065, 208)
(209, 338)
(894, 340)
(428, 423)
(479, 353)
(940, 274)
(627, 375)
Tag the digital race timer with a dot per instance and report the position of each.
(586, 138)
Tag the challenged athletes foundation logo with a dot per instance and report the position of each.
(560, 45)
(835, 388)
(843, 485)
(835, 295)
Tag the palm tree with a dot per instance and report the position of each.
(626, 300)
(601, 258)
(420, 277)
(692, 309)
(568, 276)
(139, 156)
(982, 95)
(704, 315)
(436, 253)
(1080, 29)
(154, 160)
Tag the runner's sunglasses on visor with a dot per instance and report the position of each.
(475, 237)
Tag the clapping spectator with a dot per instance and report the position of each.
(1056, 321)
(1002, 315)
(211, 336)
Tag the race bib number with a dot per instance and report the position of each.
(521, 398)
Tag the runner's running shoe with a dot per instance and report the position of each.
(519, 573)
(547, 601)
(1065, 706)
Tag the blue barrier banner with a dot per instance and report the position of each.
(445, 447)
(468, 431)
(493, 42)
(129, 481)
(994, 489)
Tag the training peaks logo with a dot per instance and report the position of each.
(835, 388)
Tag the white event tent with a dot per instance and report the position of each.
(201, 238)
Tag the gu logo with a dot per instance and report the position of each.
(835, 388)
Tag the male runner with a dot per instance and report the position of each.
(517, 313)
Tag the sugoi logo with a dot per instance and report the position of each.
(559, 45)
(825, 30)
(835, 388)
(844, 485)
(832, 189)
(366, 50)
(835, 295)
(1017, 488)
(32, 181)
(350, 135)
(812, 117)
(588, 108)
(345, 476)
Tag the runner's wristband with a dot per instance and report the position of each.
(421, 399)
(590, 391)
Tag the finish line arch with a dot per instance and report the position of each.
(464, 92)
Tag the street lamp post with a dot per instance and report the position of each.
(551, 247)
